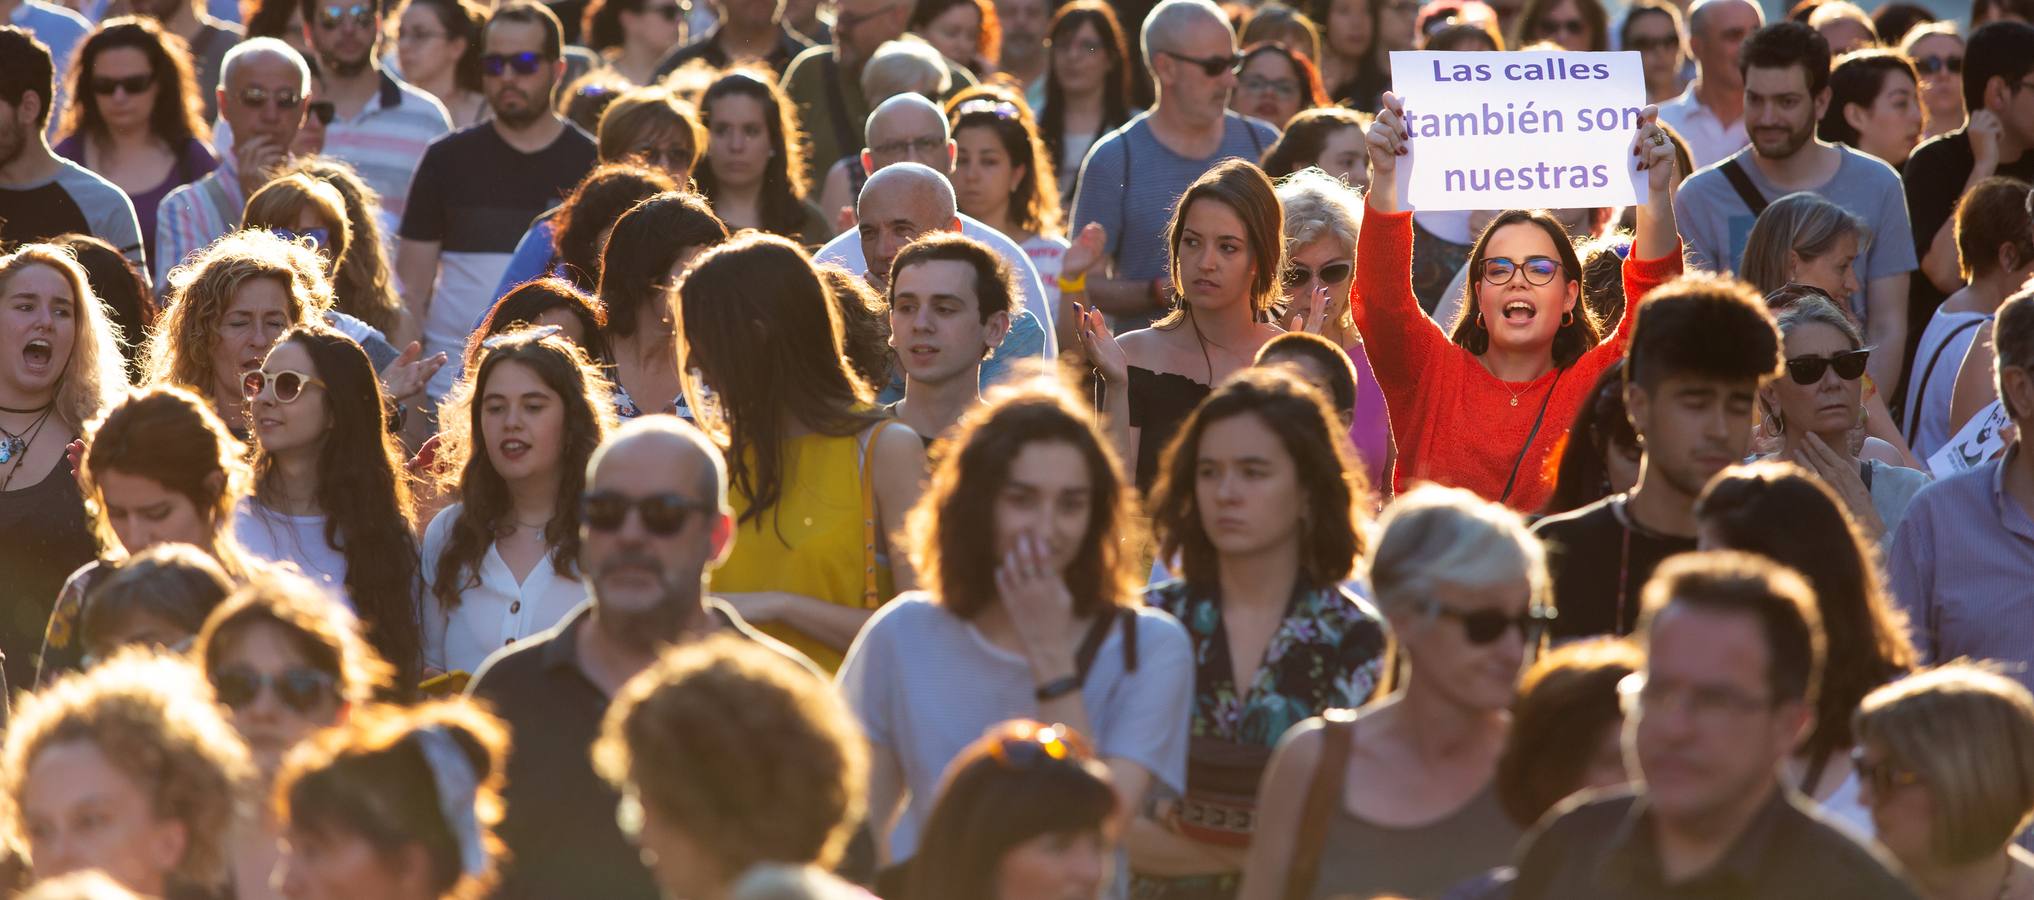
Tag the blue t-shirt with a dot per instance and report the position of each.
(1135, 215)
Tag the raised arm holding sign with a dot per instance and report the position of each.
(1481, 407)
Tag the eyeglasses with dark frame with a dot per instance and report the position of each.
(1539, 270)
(1884, 776)
(133, 85)
(1211, 66)
(1487, 626)
(663, 514)
(260, 97)
(301, 689)
(1849, 366)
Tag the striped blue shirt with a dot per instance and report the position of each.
(1962, 566)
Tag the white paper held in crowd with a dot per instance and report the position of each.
(1519, 130)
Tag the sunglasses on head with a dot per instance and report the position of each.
(316, 236)
(1808, 369)
(259, 97)
(132, 85)
(663, 514)
(1332, 273)
(525, 63)
(359, 15)
(1931, 65)
(323, 110)
(285, 386)
(1211, 66)
(1538, 270)
(1884, 777)
(1056, 743)
(1486, 626)
(302, 690)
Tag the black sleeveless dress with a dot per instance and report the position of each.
(1159, 403)
(44, 537)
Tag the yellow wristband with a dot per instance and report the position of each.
(1075, 285)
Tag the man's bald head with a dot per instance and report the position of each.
(670, 440)
(1702, 11)
(908, 128)
(898, 204)
(1171, 20)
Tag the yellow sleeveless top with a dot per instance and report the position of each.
(812, 542)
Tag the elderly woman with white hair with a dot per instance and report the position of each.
(1322, 218)
(1463, 586)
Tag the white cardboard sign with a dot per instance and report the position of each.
(1979, 440)
(1531, 129)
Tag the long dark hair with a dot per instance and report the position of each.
(1034, 199)
(525, 303)
(178, 112)
(1115, 85)
(784, 175)
(589, 415)
(462, 20)
(1779, 511)
(123, 291)
(1242, 187)
(1575, 338)
(594, 206)
(362, 276)
(635, 271)
(992, 801)
(1600, 427)
(758, 334)
(951, 532)
(364, 492)
(1334, 487)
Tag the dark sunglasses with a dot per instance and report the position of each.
(360, 15)
(1649, 44)
(526, 63)
(132, 84)
(287, 384)
(670, 11)
(259, 97)
(1332, 273)
(1930, 65)
(1485, 626)
(323, 110)
(1884, 777)
(1212, 66)
(302, 690)
(1809, 369)
(663, 514)
(1550, 28)
(1539, 270)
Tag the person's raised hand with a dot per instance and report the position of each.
(1036, 597)
(1315, 316)
(1387, 140)
(258, 153)
(1099, 344)
(1655, 151)
(1085, 252)
(406, 377)
(1984, 130)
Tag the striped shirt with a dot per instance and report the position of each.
(194, 215)
(1960, 566)
(386, 140)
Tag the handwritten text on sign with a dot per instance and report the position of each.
(1530, 129)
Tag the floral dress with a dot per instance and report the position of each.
(1327, 653)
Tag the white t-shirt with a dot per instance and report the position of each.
(497, 612)
(297, 540)
(926, 684)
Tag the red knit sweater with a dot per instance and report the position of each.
(1454, 421)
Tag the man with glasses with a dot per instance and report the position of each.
(1133, 176)
(380, 125)
(1709, 115)
(1734, 652)
(1998, 66)
(1963, 556)
(261, 98)
(1701, 350)
(43, 195)
(745, 29)
(477, 190)
(654, 521)
(826, 81)
(1786, 92)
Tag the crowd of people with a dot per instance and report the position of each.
(1005, 449)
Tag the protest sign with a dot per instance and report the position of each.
(1980, 439)
(1519, 130)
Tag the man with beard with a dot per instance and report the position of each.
(654, 521)
(380, 125)
(1786, 90)
(43, 195)
(477, 190)
(1702, 347)
(208, 38)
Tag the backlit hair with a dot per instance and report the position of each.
(180, 350)
(1802, 223)
(178, 113)
(1993, 213)
(1434, 538)
(153, 718)
(280, 202)
(1034, 199)
(363, 285)
(95, 373)
(325, 633)
(1582, 330)
(1567, 702)
(643, 114)
(905, 65)
(1968, 731)
(1243, 188)
(1732, 582)
(172, 437)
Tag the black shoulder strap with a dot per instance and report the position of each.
(1742, 183)
(1511, 481)
(1921, 390)
(1091, 645)
(1864, 473)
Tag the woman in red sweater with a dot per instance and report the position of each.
(1483, 406)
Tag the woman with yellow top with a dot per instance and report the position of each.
(819, 478)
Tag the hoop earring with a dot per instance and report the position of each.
(1567, 318)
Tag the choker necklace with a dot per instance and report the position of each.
(28, 412)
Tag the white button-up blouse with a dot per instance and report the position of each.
(494, 614)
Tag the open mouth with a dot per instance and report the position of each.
(514, 449)
(1519, 312)
(37, 354)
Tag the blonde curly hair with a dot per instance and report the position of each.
(95, 373)
(154, 718)
(180, 350)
